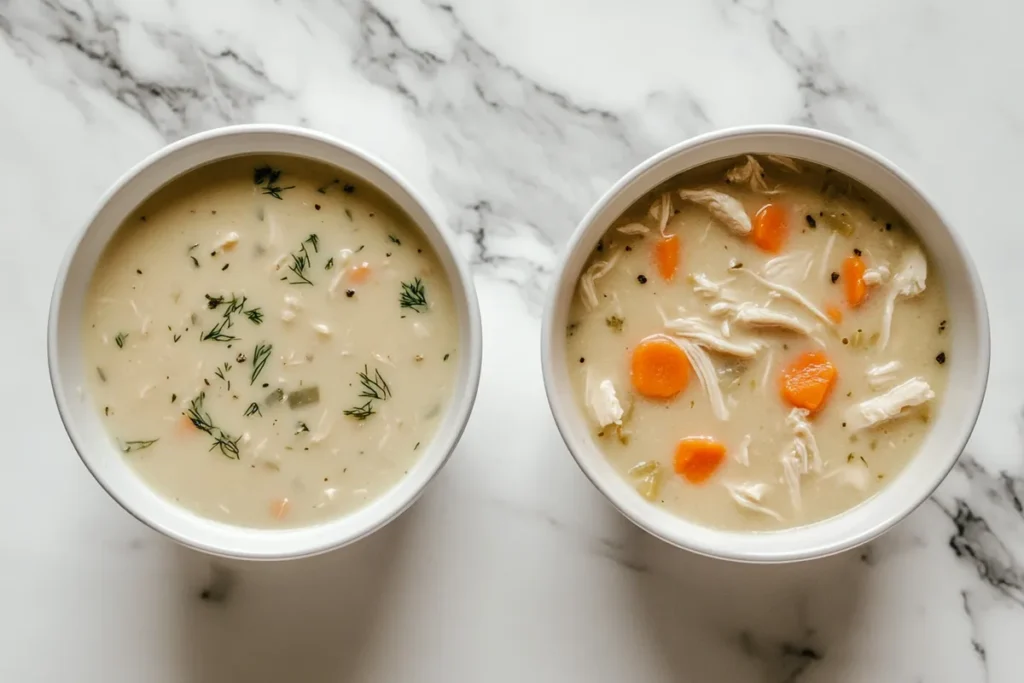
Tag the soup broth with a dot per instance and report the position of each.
(270, 344)
(729, 344)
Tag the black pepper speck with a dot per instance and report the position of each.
(941, 358)
(642, 279)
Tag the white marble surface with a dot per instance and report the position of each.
(512, 117)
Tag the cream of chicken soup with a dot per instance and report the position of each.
(271, 343)
(759, 344)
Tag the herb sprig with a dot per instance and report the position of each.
(259, 360)
(201, 419)
(120, 339)
(414, 295)
(375, 388)
(301, 260)
(253, 409)
(267, 177)
(138, 445)
(233, 306)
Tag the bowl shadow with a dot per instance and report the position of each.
(716, 620)
(303, 620)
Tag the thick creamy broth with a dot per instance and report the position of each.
(747, 309)
(270, 343)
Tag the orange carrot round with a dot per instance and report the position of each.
(666, 256)
(853, 281)
(359, 273)
(698, 457)
(279, 508)
(807, 381)
(834, 313)
(770, 228)
(659, 368)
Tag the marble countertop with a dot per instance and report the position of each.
(512, 118)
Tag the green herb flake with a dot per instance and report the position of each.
(395, 240)
(120, 339)
(615, 322)
(132, 446)
(267, 178)
(413, 296)
(260, 356)
(253, 409)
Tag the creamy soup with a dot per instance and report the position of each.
(271, 344)
(758, 344)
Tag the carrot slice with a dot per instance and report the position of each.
(770, 229)
(360, 273)
(659, 368)
(698, 457)
(834, 313)
(666, 256)
(279, 508)
(853, 281)
(807, 381)
(184, 426)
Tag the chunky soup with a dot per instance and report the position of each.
(758, 344)
(270, 343)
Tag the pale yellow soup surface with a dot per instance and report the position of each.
(227, 326)
(854, 464)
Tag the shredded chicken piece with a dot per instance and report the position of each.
(909, 281)
(876, 276)
(725, 209)
(790, 294)
(749, 494)
(785, 162)
(768, 360)
(801, 456)
(603, 402)
(703, 334)
(742, 453)
(753, 315)
(705, 371)
(709, 289)
(880, 375)
(596, 271)
(748, 172)
(792, 268)
(634, 229)
(889, 405)
(827, 254)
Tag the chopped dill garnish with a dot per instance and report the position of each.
(301, 260)
(414, 295)
(323, 189)
(615, 322)
(130, 446)
(259, 359)
(232, 306)
(221, 374)
(103, 376)
(177, 337)
(120, 339)
(395, 240)
(203, 422)
(174, 397)
(360, 412)
(375, 388)
(253, 409)
(329, 264)
(192, 248)
(301, 427)
(267, 178)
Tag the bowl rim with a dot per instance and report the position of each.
(461, 282)
(564, 410)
